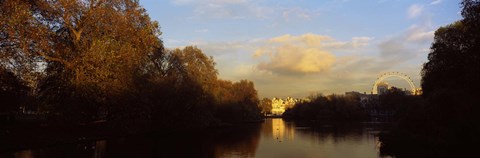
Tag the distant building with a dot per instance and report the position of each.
(418, 91)
(382, 88)
(277, 106)
(280, 105)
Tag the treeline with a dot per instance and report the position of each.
(447, 124)
(398, 103)
(79, 61)
(393, 105)
(331, 108)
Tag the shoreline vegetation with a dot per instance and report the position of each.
(63, 63)
(444, 120)
(91, 77)
(350, 108)
(337, 108)
(446, 123)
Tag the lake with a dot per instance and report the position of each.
(273, 138)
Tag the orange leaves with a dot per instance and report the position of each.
(101, 44)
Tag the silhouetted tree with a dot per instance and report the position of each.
(392, 99)
(191, 75)
(450, 77)
(13, 91)
(449, 119)
(330, 108)
(237, 102)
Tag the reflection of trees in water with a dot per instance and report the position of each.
(205, 143)
(94, 149)
(243, 141)
(339, 132)
(239, 141)
(267, 129)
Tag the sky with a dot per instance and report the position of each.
(301, 47)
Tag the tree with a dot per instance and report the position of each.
(450, 83)
(454, 58)
(194, 74)
(94, 50)
(103, 59)
(450, 77)
(237, 102)
(266, 105)
(13, 91)
(393, 99)
(191, 64)
(331, 108)
(244, 91)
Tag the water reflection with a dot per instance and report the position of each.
(230, 142)
(304, 140)
(273, 138)
(279, 131)
(100, 149)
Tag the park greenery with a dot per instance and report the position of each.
(81, 61)
(449, 118)
(77, 62)
(394, 103)
(445, 119)
(327, 109)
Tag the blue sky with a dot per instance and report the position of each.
(299, 47)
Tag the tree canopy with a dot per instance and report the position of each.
(450, 77)
(453, 63)
(87, 60)
(450, 82)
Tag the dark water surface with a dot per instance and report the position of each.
(273, 138)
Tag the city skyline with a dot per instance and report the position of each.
(295, 48)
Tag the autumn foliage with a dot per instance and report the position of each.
(88, 60)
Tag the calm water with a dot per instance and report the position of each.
(273, 138)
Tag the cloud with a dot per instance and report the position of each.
(309, 39)
(229, 47)
(201, 30)
(290, 59)
(406, 46)
(326, 42)
(434, 2)
(414, 11)
(225, 9)
(244, 9)
(420, 34)
(298, 13)
(295, 65)
(303, 54)
(360, 41)
(394, 48)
